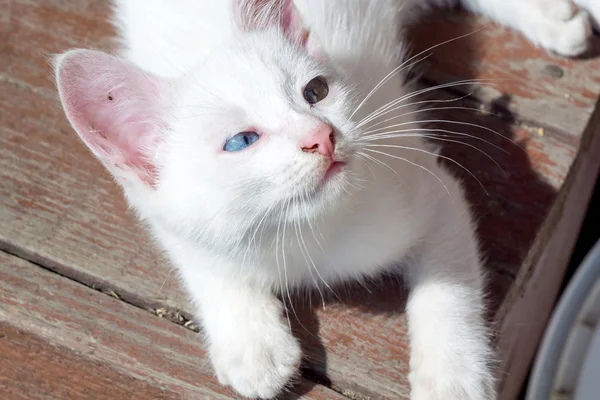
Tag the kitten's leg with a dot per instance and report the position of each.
(451, 356)
(593, 7)
(552, 24)
(250, 344)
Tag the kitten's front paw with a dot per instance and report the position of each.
(567, 37)
(452, 381)
(560, 10)
(258, 362)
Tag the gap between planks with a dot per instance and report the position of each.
(158, 309)
(319, 392)
(84, 252)
(83, 24)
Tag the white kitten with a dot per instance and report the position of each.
(252, 141)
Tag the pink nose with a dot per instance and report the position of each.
(321, 140)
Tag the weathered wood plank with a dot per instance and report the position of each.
(40, 28)
(58, 206)
(90, 328)
(104, 329)
(373, 322)
(532, 84)
(527, 80)
(523, 317)
(31, 368)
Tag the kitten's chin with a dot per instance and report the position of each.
(326, 196)
(334, 169)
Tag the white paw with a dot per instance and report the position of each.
(259, 362)
(568, 38)
(459, 379)
(451, 385)
(559, 10)
(594, 10)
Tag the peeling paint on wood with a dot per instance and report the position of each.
(99, 346)
(60, 209)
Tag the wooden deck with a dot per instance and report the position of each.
(88, 308)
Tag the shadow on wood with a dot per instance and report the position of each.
(500, 166)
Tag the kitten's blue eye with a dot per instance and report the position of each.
(241, 141)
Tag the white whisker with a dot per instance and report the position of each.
(421, 110)
(389, 107)
(471, 146)
(325, 254)
(412, 163)
(165, 281)
(371, 158)
(285, 275)
(385, 79)
(413, 104)
(404, 64)
(434, 155)
(447, 122)
(279, 268)
(414, 132)
(444, 138)
(305, 253)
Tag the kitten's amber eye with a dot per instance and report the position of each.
(316, 90)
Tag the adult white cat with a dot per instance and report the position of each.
(251, 138)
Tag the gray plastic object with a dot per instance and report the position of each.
(568, 362)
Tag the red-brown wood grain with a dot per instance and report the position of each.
(103, 338)
(59, 208)
(545, 89)
(526, 310)
(32, 368)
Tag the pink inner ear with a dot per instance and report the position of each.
(260, 14)
(292, 23)
(117, 109)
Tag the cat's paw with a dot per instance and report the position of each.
(451, 382)
(259, 362)
(567, 37)
(560, 10)
(452, 373)
(593, 8)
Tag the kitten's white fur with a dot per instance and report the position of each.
(167, 39)
(241, 226)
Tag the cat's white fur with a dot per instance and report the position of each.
(242, 226)
(159, 36)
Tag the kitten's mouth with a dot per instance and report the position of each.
(334, 168)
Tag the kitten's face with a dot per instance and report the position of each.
(245, 139)
(260, 133)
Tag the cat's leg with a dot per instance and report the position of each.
(249, 342)
(451, 355)
(553, 24)
(592, 7)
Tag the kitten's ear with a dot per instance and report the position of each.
(117, 109)
(251, 15)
